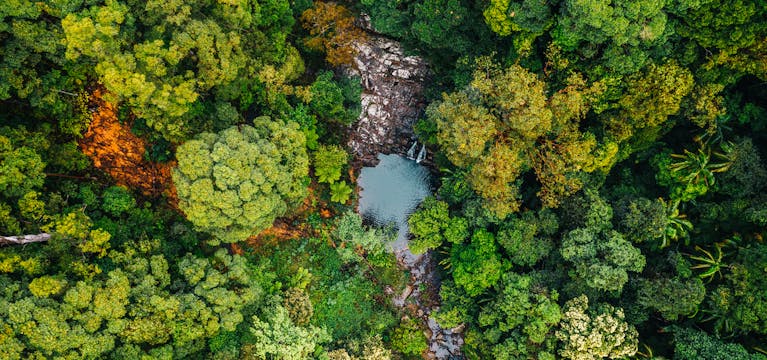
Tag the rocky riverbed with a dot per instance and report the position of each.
(392, 101)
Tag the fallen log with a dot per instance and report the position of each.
(24, 239)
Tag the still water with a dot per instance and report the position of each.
(391, 191)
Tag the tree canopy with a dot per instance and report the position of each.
(235, 183)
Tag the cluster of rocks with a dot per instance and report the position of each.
(392, 99)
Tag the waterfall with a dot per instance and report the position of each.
(421, 154)
(411, 151)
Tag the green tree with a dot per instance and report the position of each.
(746, 175)
(528, 238)
(617, 35)
(524, 313)
(138, 307)
(277, 337)
(428, 224)
(728, 26)
(672, 297)
(692, 344)
(21, 169)
(526, 19)
(235, 183)
(46, 286)
(738, 304)
(149, 54)
(329, 160)
(602, 259)
(408, 338)
(601, 256)
(646, 104)
(36, 81)
(476, 266)
(641, 219)
(330, 102)
(340, 192)
(356, 240)
(117, 200)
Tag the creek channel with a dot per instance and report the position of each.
(389, 193)
(392, 186)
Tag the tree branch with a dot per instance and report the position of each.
(24, 239)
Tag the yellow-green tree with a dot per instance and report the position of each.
(644, 108)
(161, 57)
(235, 183)
(136, 309)
(505, 124)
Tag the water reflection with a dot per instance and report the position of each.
(391, 191)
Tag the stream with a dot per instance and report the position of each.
(392, 186)
(389, 193)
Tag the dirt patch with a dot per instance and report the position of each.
(295, 226)
(118, 152)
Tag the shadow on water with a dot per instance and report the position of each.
(391, 191)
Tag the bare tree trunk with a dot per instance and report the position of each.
(24, 239)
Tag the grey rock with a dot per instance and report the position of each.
(392, 99)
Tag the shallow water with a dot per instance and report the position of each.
(391, 191)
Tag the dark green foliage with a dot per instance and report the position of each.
(117, 200)
(602, 259)
(330, 100)
(601, 256)
(457, 307)
(616, 36)
(348, 309)
(747, 175)
(739, 304)
(526, 19)
(727, 26)
(691, 344)
(641, 219)
(524, 313)
(447, 25)
(527, 239)
(672, 297)
(308, 124)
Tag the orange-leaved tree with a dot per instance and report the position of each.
(332, 30)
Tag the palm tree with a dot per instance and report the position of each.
(697, 167)
(712, 262)
(677, 225)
